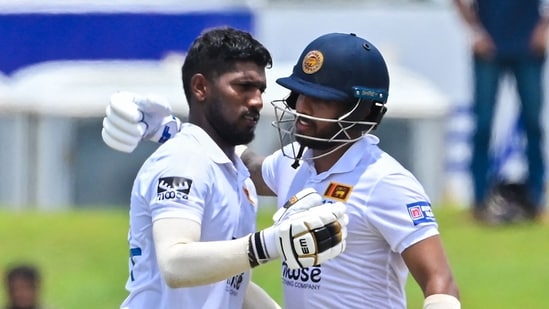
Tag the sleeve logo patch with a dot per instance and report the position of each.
(171, 188)
(421, 212)
(338, 191)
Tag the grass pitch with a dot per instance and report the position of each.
(83, 258)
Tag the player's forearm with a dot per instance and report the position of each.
(441, 293)
(468, 14)
(253, 162)
(199, 263)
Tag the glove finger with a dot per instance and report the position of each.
(123, 105)
(328, 236)
(303, 200)
(116, 144)
(344, 221)
(123, 130)
(120, 136)
(328, 230)
(312, 239)
(136, 129)
(330, 254)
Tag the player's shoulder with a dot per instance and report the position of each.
(388, 178)
(176, 155)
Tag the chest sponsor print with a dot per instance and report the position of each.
(303, 278)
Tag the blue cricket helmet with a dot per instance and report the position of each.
(339, 67)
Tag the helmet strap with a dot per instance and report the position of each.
(298, 157)
(376, 114)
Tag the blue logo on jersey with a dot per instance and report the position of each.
(234, 283)
(421, 212)
(303, 278)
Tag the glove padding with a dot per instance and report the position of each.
(130, 117)
(306, 238)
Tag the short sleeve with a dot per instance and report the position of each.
(177, 188)
(401, 211)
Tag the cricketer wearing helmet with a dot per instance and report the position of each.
(338, 91)
(339, 88)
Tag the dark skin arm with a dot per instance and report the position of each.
(538, 40)
(253, 162)
(482, 43)
(429, 266)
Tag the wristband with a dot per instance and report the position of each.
(252, 255)
(441, 301)
(262, 247)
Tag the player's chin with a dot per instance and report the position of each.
(248, 127)
(245, 136)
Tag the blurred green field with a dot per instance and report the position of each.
(83, 257)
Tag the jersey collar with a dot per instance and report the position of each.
(211, 149)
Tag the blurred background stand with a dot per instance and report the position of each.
(62, 60)
(58, 158)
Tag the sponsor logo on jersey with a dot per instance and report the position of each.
(338, 191)
(302, 278)
(421, 212)
(234, 283)
(173, 188)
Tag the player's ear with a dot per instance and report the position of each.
(199, 87)
(361, 112)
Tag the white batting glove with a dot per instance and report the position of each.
(303, 200)
(130, 118)
(303, 239)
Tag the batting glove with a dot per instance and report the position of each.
(303, 200)
(302, 239)
(130, 118)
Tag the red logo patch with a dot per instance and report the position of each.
(415, 212)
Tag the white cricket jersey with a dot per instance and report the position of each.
(188, 177)
(388, 211)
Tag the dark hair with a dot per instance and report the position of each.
(217, 50)
(27, 272)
